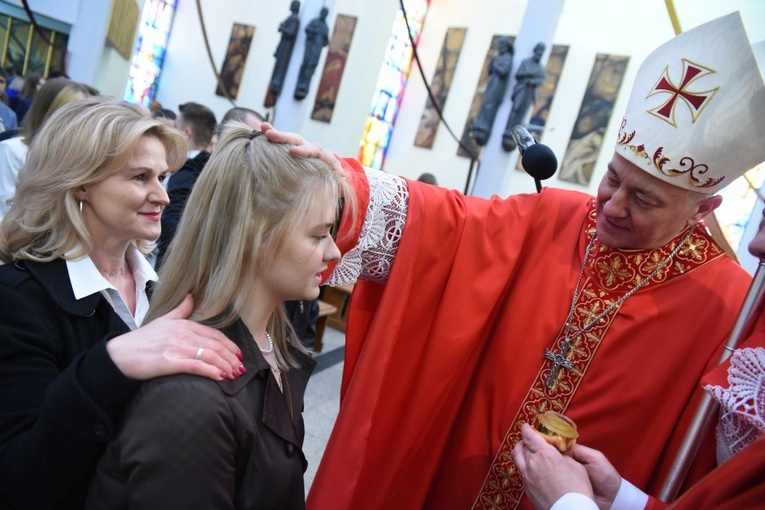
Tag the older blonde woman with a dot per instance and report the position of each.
(256, 232)
(73, 294)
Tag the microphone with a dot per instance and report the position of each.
(538, 160)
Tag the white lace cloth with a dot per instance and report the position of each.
(742, 404)
(372, 257)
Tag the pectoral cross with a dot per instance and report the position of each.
(558, 361)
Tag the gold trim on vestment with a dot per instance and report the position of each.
(610, 274)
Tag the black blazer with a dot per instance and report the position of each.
(61, 395)
(188, 442)
(178, 190)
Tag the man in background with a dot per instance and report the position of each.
(198, 124)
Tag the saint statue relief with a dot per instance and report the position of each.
(499, 75)
(289, 30)
(530, 75)
(316, 38)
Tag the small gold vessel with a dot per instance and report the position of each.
(557, 429)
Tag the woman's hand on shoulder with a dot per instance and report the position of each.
(172, 344)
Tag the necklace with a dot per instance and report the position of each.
(275, 367)
(270, 347)
(559, 359)
(112, 274)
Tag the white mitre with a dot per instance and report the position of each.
(696, 115)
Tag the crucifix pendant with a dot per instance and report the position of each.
(558, 361)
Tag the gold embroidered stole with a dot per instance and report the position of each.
(610, 273)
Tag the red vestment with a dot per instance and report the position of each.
(440, 359)
(739, 483)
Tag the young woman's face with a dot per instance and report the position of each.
(127, 205)
(308, 249)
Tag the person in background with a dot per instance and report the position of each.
(16, 79)
(428, 178)
(256, 232)
(585, 479)
(7, 115)
(73, 294)
(13, 151)
(21, 104)
(239, 114)
(198, 123)
(165, 115)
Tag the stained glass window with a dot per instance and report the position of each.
(739, 199)
(150, 48)
(391, 84)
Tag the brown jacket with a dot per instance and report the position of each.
(189, 442)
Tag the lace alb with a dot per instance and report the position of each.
(742, 404)
(373, 255)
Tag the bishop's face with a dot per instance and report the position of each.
(637, 211)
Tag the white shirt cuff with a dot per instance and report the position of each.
(629, 497)
(574, 501)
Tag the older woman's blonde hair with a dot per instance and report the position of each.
(251, 194)
(83, 143)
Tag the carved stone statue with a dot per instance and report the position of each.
(316, 38)
(530, 75)
(289, 30)
(499, 74)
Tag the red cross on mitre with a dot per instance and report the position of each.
(696, 101)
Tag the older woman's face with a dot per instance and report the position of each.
(127, 205)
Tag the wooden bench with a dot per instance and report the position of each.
(340, 298)
(325, 310)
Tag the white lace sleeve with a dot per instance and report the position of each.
(373, 255)
(742, 403)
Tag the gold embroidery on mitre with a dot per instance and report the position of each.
(609, 275)
(686, 165)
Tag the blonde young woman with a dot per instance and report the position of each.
(73, 294)
(256, 232)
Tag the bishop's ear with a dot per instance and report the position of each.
(705, 207)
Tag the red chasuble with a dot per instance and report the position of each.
(446, 359)
(740, 482)
(736, 485)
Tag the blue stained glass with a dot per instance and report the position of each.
(739, 199)
(391, 84)
(150, 49)
(391, 111)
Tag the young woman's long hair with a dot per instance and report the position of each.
(250, 195)
(83, 143)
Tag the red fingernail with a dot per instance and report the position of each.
(223, 374)
(239, 355)
(236, 373)
(242, 369)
